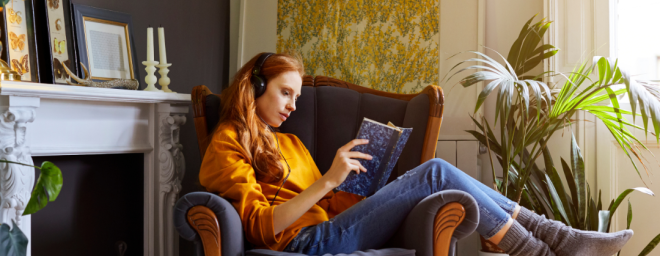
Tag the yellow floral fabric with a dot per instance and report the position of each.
(388, 45)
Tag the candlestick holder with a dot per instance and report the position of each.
(164, 81)
(150, 79)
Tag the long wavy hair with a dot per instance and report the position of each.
(239, 110)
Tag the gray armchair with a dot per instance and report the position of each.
(328, 115)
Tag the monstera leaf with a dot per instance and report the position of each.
(47, 188)
(12, 242)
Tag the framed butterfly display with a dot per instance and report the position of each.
(56, 44)
(19, 48)
(105, 43)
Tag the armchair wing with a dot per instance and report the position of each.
(211, 222)
(453, 214)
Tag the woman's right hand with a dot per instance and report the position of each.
(345, 162)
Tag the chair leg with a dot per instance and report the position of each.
(446, 221)
(204, 221)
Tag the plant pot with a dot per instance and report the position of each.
(490, 249)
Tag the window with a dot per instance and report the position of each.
(638, 38)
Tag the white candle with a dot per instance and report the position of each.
(150, 44)
(161, 45)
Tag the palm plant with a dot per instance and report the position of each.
(530, 112)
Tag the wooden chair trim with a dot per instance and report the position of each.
(445, 223)
(204, 221)
(431, 138)
(308, 80)
(436, 109)
(198, 98)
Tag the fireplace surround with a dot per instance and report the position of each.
(54, 120)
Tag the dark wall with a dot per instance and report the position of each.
(197, 39)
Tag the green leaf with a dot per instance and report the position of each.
(570, 180)
(593, 215)
(558, 185)
(577, 162)
(630, 215)
(614, 205)
(4, 2)
(47, 188)
(12, 242)
(654, 242)
(557, 200)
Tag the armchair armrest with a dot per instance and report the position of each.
(453, 214)
(211, 222)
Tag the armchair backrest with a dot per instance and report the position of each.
(329, 112)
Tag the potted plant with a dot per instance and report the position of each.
(12, 240)
(530, 112)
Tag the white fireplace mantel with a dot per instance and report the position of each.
(48, 120)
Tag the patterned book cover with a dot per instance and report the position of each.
(405, 134)
(385, 146)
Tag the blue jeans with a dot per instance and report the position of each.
(371, 222)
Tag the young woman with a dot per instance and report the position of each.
(285, 203)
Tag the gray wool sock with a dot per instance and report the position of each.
(519, 241)
(565, 240)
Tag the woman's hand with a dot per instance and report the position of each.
(345, 162)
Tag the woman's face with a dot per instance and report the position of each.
(279, 100)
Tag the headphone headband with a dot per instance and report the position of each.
(258, 80)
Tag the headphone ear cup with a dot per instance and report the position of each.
(259, 85)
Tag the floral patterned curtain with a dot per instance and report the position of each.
(388, 45)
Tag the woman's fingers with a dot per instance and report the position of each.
(352, 144)
(358, 165)
(354, 168)
(356, 154)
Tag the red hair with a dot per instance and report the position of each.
(239, 110)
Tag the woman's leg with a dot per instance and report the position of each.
(370, 223)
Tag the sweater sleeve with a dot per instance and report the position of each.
(227, 170)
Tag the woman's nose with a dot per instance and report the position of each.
(291, 106)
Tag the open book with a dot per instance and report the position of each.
(385, 145)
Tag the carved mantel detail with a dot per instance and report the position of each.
(172, 163)
(16, 181)
(171, 168)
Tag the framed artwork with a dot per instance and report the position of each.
(57, 49)
(19, 48)
(105, 44)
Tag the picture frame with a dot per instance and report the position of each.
(54, 28)
(19, 47)
(104, 43)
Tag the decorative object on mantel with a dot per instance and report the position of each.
(130, 84)
(164, 81)
(55, 44)
(105, 38)
(6, 73)
(150, 79)
(18, 38)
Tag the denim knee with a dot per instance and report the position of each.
(438, 166)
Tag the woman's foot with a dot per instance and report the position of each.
(564, 240)
(518, 241)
